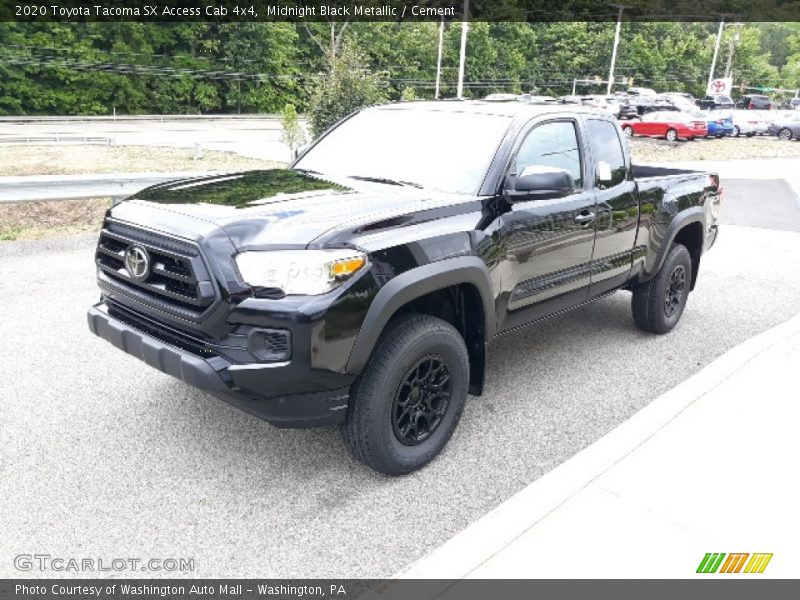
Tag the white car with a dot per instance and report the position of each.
(641, 91)
(680, 101)
(748, 122)
(608, 104)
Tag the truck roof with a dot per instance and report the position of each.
(510, 109)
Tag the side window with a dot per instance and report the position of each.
(553, 144)
(607, 149)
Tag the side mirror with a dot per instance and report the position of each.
(538, 182)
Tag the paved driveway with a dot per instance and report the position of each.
(101, 456)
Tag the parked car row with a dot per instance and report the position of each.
(677, 115)
(674, 125)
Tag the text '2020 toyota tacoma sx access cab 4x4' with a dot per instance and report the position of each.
(362, 285)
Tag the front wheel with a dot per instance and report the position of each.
(407, 402)
(736, 131)
(658, 304)
(785, 134)
(672, 135)
(627, 130)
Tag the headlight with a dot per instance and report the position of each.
(308, 272)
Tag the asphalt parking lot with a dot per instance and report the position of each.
(104, 457)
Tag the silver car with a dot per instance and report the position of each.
(786, 128)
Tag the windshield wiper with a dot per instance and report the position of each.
(385, 180)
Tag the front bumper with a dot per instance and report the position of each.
(258, 388)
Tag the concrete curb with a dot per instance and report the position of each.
(467, 550)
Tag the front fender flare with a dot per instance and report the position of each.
(413, 284)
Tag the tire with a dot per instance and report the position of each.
(379, 429)
(672, 135)
(785, 134)
(736, 131)
(658, 304)
(627, 130)
(749, 135)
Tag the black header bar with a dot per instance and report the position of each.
(396, 10)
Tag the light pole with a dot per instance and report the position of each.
(439, 59)
(463, 52)
(716, 50)
(620, 7)
(731, 50)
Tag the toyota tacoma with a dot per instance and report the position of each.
(362, 285)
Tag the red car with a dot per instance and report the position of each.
(670, 125)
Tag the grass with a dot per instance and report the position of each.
(51, 218)
(655, 150)
(73, 160)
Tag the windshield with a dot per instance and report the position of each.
(444, 150)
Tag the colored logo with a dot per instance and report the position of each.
(716, 562)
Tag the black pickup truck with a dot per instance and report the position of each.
(362, 285)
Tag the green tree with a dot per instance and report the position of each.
(347, 85)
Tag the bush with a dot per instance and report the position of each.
(293, 134)
(346, 86)
(408, 94)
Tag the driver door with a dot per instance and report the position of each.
(547, 244)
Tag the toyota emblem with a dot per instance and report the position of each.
(137, 262)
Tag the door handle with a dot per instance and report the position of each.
(584, 219)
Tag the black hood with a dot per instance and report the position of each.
(278, 207)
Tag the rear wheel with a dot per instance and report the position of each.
(658, 303)
(407, 402)
(785, 134)
(736, 131)
(672, 135)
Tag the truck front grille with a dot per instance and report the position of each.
(154, 269)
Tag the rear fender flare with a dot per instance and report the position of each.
(686, 217)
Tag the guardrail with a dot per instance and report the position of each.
(103, 118)
(54, 139)
(59, 187)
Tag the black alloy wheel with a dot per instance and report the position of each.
(421, 400)
(676, 287)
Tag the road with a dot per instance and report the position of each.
(254, 137)
(104, 457)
